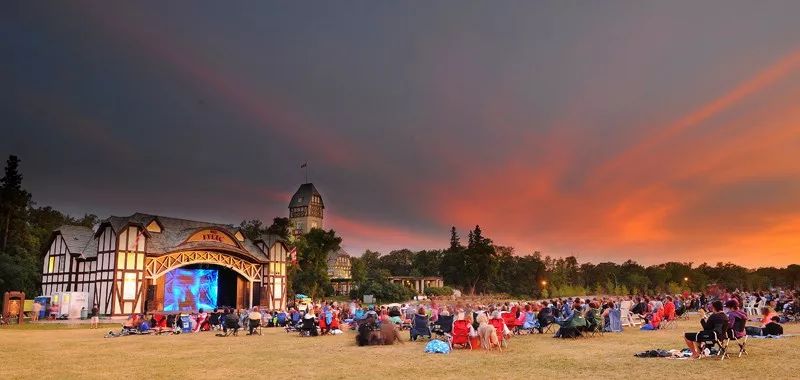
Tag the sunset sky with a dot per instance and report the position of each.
(607, 130)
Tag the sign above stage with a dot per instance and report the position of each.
(212, 235)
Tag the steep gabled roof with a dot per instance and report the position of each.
(79, 240)
(304, 194)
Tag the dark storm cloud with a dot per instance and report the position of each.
(602, 129)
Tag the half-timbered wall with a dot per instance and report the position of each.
(54, 275)
(275, 277)
(65, 271)
(103, 275)
(128, 290)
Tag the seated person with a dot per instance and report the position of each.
(653, 320)
(254, 320)
(231, 322)
(368, 332)
(736, 319)
(545, 317)
(594, 317)
(773, 328)
(202, 319)
(309, 326)
(766, 315)
(572, 327)
(389, 332)
(714, 326)
(420, 325)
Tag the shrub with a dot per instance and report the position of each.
(439, 291)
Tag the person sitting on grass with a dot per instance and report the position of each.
(766, 315)
(773, 328)
(368, 332)
(714, 326)
(653, 320)
(389, 331)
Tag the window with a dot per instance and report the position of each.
(129, 286)
(51, 264)
(278, 288)
(131, 260)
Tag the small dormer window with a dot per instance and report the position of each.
(154, 227)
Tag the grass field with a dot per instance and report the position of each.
(72, 352)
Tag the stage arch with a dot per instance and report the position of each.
(156, 267)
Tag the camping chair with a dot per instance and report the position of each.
(530, 322)
(712, 342)
(545, 320)
(231, 327)
(460, 337)
(256, 325)
(443, 328)
(668, 322)
(309, 327)
(593, 329)
(510, 319)
(499, 326)
(419, 327)
(738, 327)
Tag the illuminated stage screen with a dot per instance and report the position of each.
(190, 289)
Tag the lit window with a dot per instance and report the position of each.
(129, 286)
(51, 264)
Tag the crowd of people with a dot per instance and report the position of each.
(491, 324)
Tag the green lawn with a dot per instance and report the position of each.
(82, 353)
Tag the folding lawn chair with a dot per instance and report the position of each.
(443, 328)
(460, 337)
(420, 328)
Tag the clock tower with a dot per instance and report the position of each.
(306, 209)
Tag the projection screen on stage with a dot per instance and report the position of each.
(190, 289)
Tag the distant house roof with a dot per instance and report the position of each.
(304, 194)
(173, 236)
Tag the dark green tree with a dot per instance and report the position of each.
(313, 248)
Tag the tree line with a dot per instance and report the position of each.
(482, 267)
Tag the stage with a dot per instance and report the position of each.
(199, 286)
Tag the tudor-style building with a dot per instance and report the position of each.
(122, 263)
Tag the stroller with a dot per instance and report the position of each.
(420, 328)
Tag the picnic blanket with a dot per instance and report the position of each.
(772, 336)
(660, 353)
(437, 347)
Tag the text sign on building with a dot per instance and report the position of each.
(212, 235)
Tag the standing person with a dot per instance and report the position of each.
(37, 308)
(95, 317)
